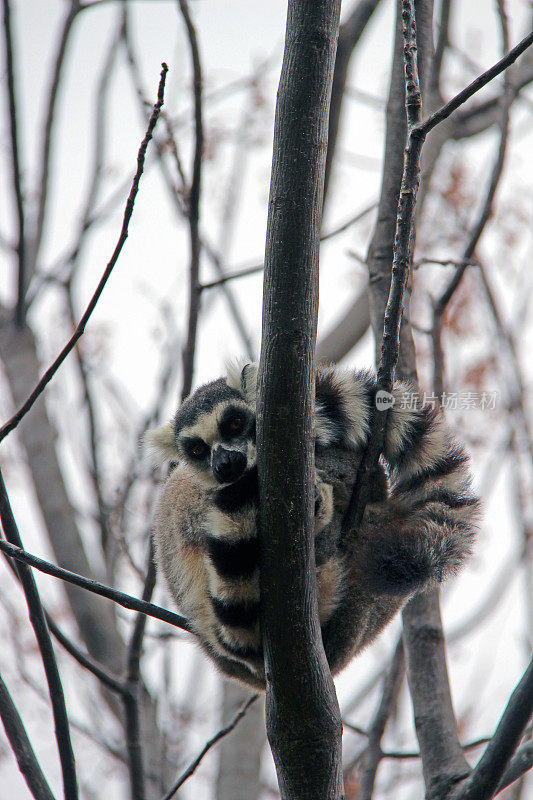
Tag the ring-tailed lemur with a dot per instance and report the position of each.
(414, 532)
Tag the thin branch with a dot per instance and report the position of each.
(20, 247)
(486, 210)
(132, 688)
(122, 599)
(259, 267)
(489, 770)
(478, 83)
(349, 222)
(193, 206)
(229, 276)
(208, 745)
(440, 49)
(35, 243)
(42, 634)
(21, 747)
(373, 755)
(350, 33)
(177, 200)
(400, 268)
(50, 372)
(84, 659)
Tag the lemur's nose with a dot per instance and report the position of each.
(228, 465)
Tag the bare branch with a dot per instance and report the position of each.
(403, 241)
(349, 222)
(373, 755)
(477, 84)
(350, 33)
(74, 8)
(208, 745)
(490, 769)
(442, 755)
(84, 659)
(20, 247)
(42, 634)
(122, 599)
(21, 746)
(193, 206)
(259, 267)
(179, 205)
(132, 689)
(50, 372)
(230, 276)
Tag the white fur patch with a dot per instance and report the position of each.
(158, 445)
(232, 527)
(243, 378)
(352, 388)
(234, 370)
(233, 591)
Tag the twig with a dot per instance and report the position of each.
(349, 222)
(122, 599)
(193, 206)
(50, 372)
(208, 745)
(20, 247)
(42, 634)
(229, 276)
(84, 659)
(417, 131)
(259, 267)
(21, 747)
(234, 310)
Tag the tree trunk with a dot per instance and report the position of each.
(303, 718)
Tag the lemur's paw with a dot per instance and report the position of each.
(323, 504)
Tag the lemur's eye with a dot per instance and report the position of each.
(196, 448)
(235, 424)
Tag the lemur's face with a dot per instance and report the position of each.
(220, 443)
(213, 430)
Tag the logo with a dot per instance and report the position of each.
(384, 400)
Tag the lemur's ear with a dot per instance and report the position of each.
(243, 378)
(159, 445)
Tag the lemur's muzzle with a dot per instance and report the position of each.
(228, 465)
